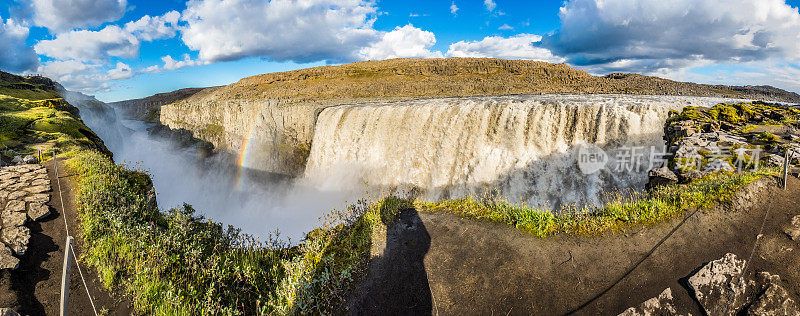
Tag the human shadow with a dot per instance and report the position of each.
(31, 271)
(397, 283)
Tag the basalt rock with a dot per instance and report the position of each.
(721, 289)
(719, 286)
(793, 229)
(659, 305)
(7, 261)
(17, 238)
(661, 176)
(37, 211)
(774, 299)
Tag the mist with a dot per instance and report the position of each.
(214, 186)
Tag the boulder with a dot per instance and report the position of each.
(29, 159)
(774, 299)
(39, 182)
(8, 312)
(793, 229)
(40, 198)
(15, 206)
(37, 189)
(719, 286)
(16, 194)
(774, 160)
(659, 305)
(661, 176)
(37, 211)
(7, 260)
(17, 160)
(17, 238)
(13, 219)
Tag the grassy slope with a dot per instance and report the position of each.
(176, 263)
(456, 77)
(27, 124)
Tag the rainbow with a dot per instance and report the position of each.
(241, 161)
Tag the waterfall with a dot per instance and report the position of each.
(524, 146)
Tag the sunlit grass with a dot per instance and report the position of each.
(658, 205)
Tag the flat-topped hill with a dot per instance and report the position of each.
(31, 87)
(462, 77)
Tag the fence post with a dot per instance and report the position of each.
(785, 168)
(65, 276)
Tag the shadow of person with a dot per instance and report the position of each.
(31, 271)
(397, 283)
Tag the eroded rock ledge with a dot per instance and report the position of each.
(727, 137)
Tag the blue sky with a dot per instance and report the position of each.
(121, 49)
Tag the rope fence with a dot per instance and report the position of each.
(69, 251)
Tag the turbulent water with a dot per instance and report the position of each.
(525, 146)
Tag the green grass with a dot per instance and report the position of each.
(33, 92)
(24, 124)
(178, 263)
(768, 137)
(658, 205)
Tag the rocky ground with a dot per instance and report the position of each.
(30, 279)
(728, 137)
(24, 190)
(438, 263)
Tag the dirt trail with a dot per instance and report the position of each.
(36, 284)
(473, 267)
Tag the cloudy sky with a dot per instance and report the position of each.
(121, 49)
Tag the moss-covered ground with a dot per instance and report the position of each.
(30, 125)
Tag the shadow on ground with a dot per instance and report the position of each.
(397, 283)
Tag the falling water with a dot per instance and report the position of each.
(522, 145)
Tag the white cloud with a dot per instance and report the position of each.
(63, 15)
(15, 55)
(122, 71)
(59, 69)
(453, 8)
(403, 42)
(505, 27)
(279, 30)
(490, 5)
(521, 46)
(152, 28)
(653, 35)
(111, 41)
(75, 75)
(172, 64)
(153, 68)
(91, 45)
(779, 73)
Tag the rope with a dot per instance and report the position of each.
(66, 228)
(636, 265)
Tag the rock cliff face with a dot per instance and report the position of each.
(147, 109)
(268, 135)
